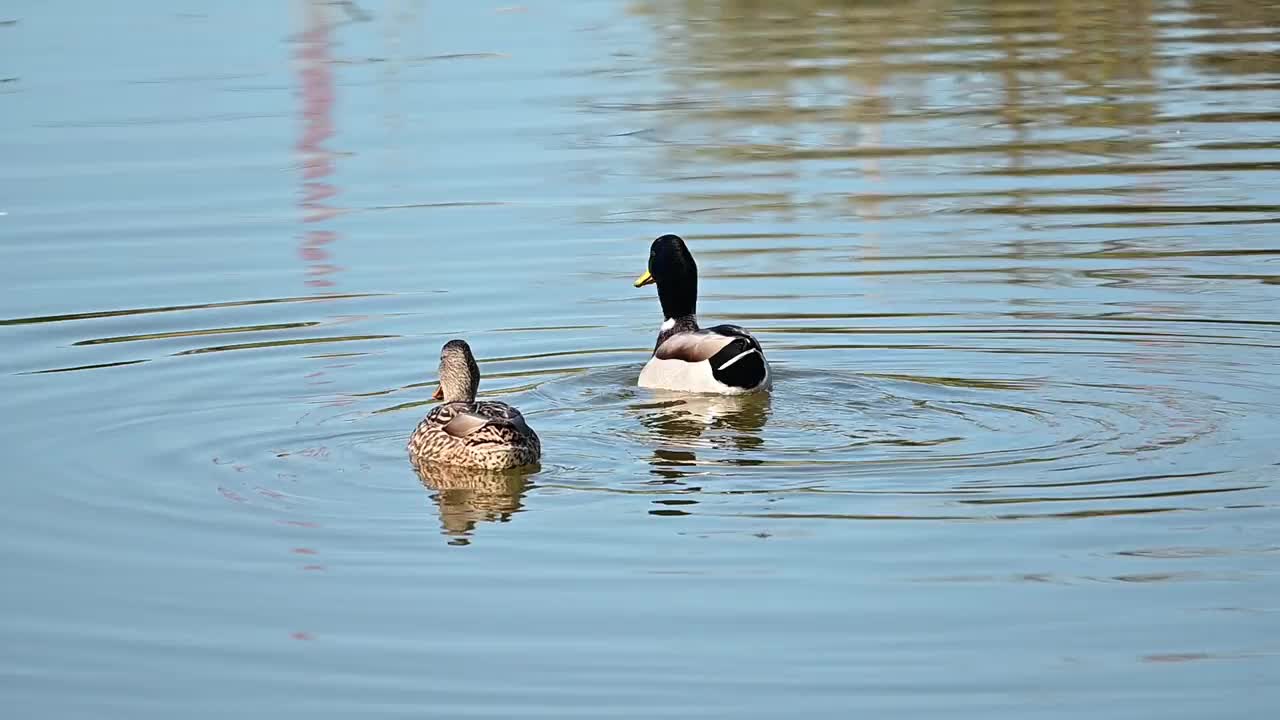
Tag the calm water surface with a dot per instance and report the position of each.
(1015, 263)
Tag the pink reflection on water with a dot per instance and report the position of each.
(316, 161)
(231, 495)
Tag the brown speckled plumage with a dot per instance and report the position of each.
(488, 435)
(465, 432)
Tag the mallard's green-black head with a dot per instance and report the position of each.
(459, 373)
(671, 266)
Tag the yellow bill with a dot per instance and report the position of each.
(645, 279)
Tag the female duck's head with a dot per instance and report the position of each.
(671, 266)
(459, 374)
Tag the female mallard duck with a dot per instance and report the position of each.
(722, 359)
(469, 433)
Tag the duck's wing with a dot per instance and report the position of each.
(731, 354)
(468, 419)
(722, 346)
(456, 418)
(742, 340)
(694, 347)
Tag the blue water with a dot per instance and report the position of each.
(1014, 265)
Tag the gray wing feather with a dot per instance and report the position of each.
(692, 347)
(481, 414)
(465, 423)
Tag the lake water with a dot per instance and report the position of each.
(1015, 264)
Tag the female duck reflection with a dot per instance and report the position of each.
(476, 453)
(687, 423)
(465, 497)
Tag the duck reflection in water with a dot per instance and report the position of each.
(466, 497)
(687, 423)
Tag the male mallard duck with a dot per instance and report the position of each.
(722, 359)
(465, 432)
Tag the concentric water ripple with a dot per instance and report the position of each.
(972, 444)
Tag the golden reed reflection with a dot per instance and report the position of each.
(465, 498)
(857, 92)
(834, 72)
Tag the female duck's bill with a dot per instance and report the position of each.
(723, 359)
